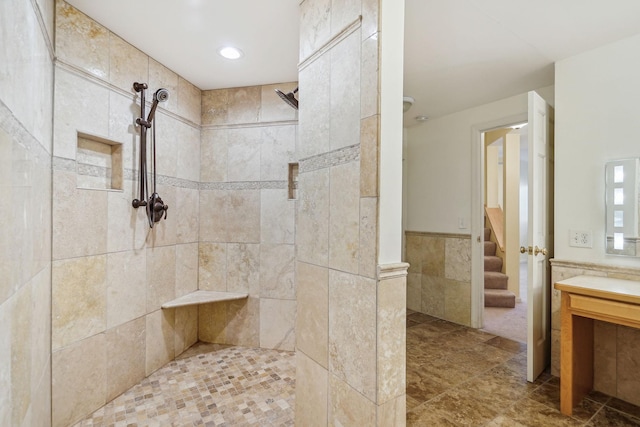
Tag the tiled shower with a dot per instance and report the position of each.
(81, 296)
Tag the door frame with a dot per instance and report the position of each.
(477, 210)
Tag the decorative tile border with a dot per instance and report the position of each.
(604, 268)
(430, 234)
(331, 158)
(343, 34)
(22, 136)
(391, 271)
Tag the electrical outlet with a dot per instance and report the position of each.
(580, 239)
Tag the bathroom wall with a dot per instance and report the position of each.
(110, 271)
(26, 110)
(350, 345)
(596, 95)
(439, 279)
(247, 221)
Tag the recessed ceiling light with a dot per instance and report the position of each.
(421, 118)
(230, 52)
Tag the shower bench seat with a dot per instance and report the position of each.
(203, 297)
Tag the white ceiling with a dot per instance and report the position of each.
(458, 53)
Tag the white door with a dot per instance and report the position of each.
(540, 235)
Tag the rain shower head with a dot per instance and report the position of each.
(289, 98)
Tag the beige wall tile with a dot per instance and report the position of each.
(352, 331)
(127, 228)
(212, 266)
(161, 276)
(368, 237)
(213, 213)
(244, 104)
(79, 306)
(370, 17)
(186, 269)
(344, 217)
(312, 228)
(457, 302)
(213, 154)
(81, 41)
(126, 286)
(75, 229)
(162, 77)
(414, 291)
(432, 254)
(433, 296)
(369, 157)
(315, 117)
(186, 328)
(79, 380)
(123, 112)
(277, 324)
(315, 26)
(391, 339)
(40, 312)
(413, 252)
(345, 92)
(369, 97)
(21, 340)
(167, 133)
(7, 313)
(277, 150)
(457, 254)
(628, 359)
(243, 268)
(312, 390)
(393, 413)
(215, 107)
(555, 353)
(312, 320)
(277, 217)
(127, 65)
(272, 108)
(347, 407)
(344, 13)
(188, 150)
(243, 322)
(125, 356)
(41, 393)
(243, 154)
(243, 216)
(80, 105)
(212, 320)
(186, 212)
(605, 358)
(160, 339)
(277, 271)
(189, 101)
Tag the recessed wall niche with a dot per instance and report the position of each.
(98, 163)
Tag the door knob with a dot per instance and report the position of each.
(524, 250)
(542, 251)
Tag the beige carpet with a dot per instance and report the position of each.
(510, 322)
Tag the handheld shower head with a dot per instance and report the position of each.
(161, 95)
(289, 98)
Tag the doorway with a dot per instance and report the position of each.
(505, 171)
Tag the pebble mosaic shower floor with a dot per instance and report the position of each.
(209, 385)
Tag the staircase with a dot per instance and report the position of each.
(496, 293)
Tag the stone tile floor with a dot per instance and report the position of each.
(209, 385)
(458, 376)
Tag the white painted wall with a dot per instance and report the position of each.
(597, 112)
(438, 163)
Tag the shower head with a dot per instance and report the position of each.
(289, 98)
(161, 95)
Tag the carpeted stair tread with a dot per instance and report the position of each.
(492, 263)
(489, 248)
(487, 234)
(499, 298)
(495, 280)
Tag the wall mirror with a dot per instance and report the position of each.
(621, 188)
